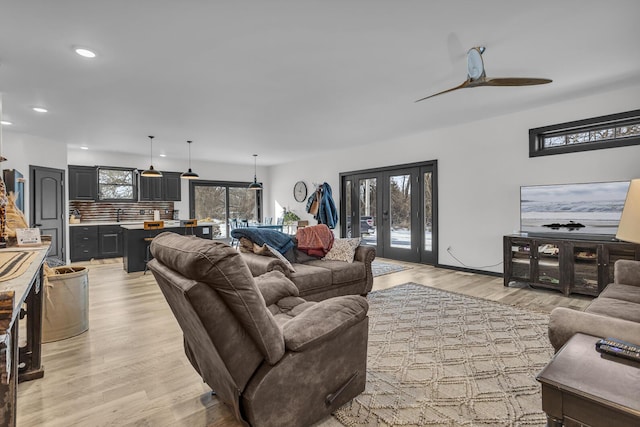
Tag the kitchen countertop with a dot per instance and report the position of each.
(135, 225)
(167, 223)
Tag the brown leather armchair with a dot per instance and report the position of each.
(273, 357)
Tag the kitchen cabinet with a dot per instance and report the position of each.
(95, 241)
(172, 186)
(83, 183)
(84, 242)
(165, 188)
(109, 241)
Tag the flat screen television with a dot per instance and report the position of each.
(588, 210)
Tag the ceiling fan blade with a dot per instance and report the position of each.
(514, 81)
(463, 85)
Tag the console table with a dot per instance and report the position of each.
(582, 387)
(17, 363)
(567, 265)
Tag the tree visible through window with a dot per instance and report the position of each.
(221, 202)
(616, 130)
(116, 184)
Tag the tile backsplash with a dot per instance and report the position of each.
(138, 211)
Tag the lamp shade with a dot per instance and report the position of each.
(629, 226)
(189, 174)
(151, 172)
(255, 185)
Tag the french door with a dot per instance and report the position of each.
(393, 209)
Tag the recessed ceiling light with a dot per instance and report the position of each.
(84, 52)
(6, 122)
(163, 155)
(84, 148)
(40, 110)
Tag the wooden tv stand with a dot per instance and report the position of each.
(567, 265)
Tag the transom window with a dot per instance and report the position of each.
(615, 130)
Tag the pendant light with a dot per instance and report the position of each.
(189, 174)
(151, 172)
(255, 185)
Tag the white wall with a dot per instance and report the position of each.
(23, 150)
(481, 166)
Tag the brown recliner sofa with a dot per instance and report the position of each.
(614, 314)
(318, 279)
(274, 358)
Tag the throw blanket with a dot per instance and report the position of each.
(315, 240)
(276, 239)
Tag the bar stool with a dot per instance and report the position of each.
(150, 225)
(190, 226)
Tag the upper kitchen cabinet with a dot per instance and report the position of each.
(165, 188)
(172, 186)
(83, 183)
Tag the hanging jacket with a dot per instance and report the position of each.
(327, 211)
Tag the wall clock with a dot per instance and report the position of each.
(300, 191)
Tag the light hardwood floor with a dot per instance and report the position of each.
(129, 368)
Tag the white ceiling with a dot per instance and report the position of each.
(289, 78)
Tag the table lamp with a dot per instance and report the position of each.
(629, 226)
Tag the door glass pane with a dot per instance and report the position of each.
(367, 211)
(428, 212)
(548, 264)
(210, 204)
(348, 208)
(585, 268)
(521, 260)
(242, 204)
(400, 211)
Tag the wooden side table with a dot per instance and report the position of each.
(582, 387)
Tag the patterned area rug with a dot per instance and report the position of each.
(379, 268)
(442, 359)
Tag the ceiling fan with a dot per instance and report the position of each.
(476, 75)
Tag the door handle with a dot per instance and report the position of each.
(36, 225)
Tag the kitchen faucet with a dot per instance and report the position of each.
(118, 212)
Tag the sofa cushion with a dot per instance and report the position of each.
(274, 286)
(622, 292)
(341, 272)
(308, 277)
(342, 250)
(615, 308)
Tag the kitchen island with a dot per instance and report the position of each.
(135, 245)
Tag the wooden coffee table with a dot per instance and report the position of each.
(581, 387)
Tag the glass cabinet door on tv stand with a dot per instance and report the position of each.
(536, 261)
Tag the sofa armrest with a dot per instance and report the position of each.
(627, 272)
(565, 322)
(366, 254)
(261, 264)
(323, 321)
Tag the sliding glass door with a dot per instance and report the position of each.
(220, 202)
(393, 209)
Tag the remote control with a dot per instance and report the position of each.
(619, 348)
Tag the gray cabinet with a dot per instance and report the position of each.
(109, 241)
(570, 266)
(83, 183)
(84, 242)
(95, 241)
(165, 188)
